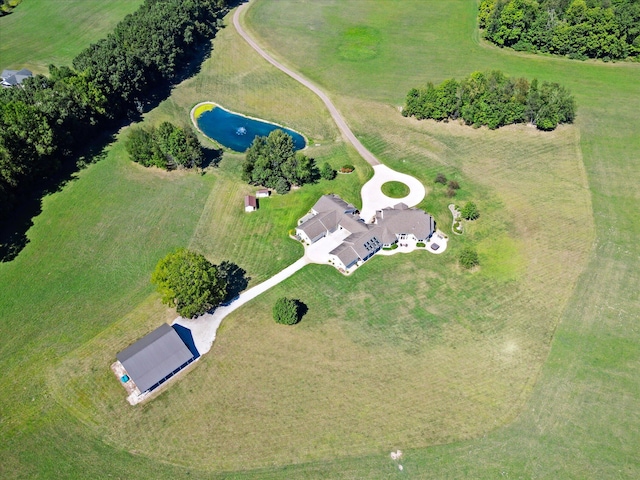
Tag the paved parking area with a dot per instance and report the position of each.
(318, 252)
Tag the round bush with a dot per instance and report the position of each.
(285, 311)
(469, 258)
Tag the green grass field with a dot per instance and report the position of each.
(525, 368)
(40, 32)
(395, 189)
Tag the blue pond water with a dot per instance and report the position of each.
(237, 132)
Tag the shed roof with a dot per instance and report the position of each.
(250, 201)
(154, 357)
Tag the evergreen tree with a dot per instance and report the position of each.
(285, 311)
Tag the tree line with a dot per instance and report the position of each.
(606, 29)
(494, 100)
(49, 118)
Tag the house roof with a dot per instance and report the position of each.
(333, 202)
(15, 77)
(331, 211)
(154, 357)
(364, 243)
(346, 254)
(312, 227)
(250, 201)
(365, 239)
(402, 219)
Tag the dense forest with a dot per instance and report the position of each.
(47, 121)
(580, 29)
(494, 100)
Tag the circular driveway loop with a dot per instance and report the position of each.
(373, 199)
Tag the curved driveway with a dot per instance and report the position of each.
(342, 125)
(204, 327)
(373, 199)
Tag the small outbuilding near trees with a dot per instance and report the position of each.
(250, 203)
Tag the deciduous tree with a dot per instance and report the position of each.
(470, 211)
(273, 162)
(188, 281)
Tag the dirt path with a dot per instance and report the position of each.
(335, 114)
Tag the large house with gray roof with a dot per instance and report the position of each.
(362, 240)
(12, 78)
(328, 215)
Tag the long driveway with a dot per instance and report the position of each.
(205, 326)
(337, 117)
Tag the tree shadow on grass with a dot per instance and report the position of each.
(302, 309)
(212, 157)
(236, 278)
(28, 204)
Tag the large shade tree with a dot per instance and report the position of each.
(273, 162)
(188, 281)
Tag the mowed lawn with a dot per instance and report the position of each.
(457, 353)
(41, 32)
(408, 352)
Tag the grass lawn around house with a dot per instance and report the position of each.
(459, 355)
(41, 32)
(395, 189)
(368, 324)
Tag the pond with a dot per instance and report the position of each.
(236, 131)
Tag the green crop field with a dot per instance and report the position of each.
(41, 32)
(524, 368)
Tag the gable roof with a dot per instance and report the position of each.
(402, 219)
(250, 201)
(154, 357)
(346, 254)
(11, 78)
(333, 202)
(312, 227)
(365, 244)
(331, 211)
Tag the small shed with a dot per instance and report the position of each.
(250, 203)
(263, 193)
(155, 358)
